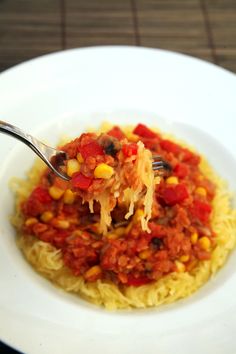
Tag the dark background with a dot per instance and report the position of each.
(202, 28)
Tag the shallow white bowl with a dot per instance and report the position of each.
(64, 93)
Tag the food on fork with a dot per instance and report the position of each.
(110, 170)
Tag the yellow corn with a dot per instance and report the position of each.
(201, 191)
(61, 224)
(194, 238)
(204, 243)
(120, 231)
(46, 216)
(138, 214)
(79, 158)
(112, 236)
(184, 258)
(144, 254)
(72, 166)
(180, 266)
(30, 221)
(172, 180)
(103, 171)
(69, 197)
(55, 192)
(132, 137)
(93, 272)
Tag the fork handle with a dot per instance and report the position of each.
(34, 144)
(17, 133)
(25, 138)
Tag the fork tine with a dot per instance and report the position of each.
(159, 164)
(157, 168)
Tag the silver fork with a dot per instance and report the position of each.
(160, 165)
(54, 158)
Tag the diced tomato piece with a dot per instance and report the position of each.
(175, 194)
(157, 230)
(169, 146)
(181, 170)
(91, 149)
(47, 235)
(81, 181)
(151, 144)
(130, 149)
(138, 281)
(117, 133)
(190, 157)
(201, 210)
(32, 207)
(41, 195)
(143, 131)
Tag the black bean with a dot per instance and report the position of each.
(156, 242)
(59, 159)
(111, 149)
(110, 144)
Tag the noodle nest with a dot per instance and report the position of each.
(47, 260)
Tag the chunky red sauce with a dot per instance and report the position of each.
(181, 234)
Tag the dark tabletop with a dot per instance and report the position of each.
(202, 28)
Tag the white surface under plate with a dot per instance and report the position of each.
(63, 93)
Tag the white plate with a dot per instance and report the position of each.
(63, 93)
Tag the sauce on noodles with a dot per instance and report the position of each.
(133, 248)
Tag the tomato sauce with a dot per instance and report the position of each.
(180, 228)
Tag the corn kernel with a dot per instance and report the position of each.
(201, 191)
(120, 231)
(31, 221)
(138, 214)
(93, 272)
(72, 166)
(61, 224)
(69, 197)
(172, 180)
(112, 236)
(103, 171)
(80, 158)
(184, 258)
(144, 254)
(46, 216)
(180, 266)
(55, 192)
(132, 137)
(204, 243)
(194, 238)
